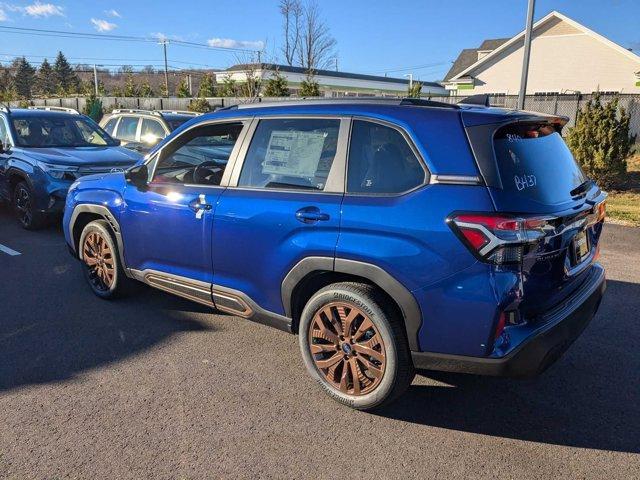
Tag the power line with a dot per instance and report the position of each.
(98, 59)
(112, 37)
(414, 67)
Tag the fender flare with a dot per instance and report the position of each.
(403, 297)
(106, 214)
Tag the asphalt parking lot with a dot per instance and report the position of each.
(156, 387)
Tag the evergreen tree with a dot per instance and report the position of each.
(228, 88)
(183, 89)
(600, 140)
(46, 80)
(7, 92)
(199, 105)
(309, 87)
(414, 90)
(145, 89)
(130, 87)
(24, 77)
(206, 86)
(276, 86)
(67, 80)
(116, 91)
(164, 92)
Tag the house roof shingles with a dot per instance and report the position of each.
(469, 56)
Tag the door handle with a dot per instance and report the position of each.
(200, 204)
(311, 215)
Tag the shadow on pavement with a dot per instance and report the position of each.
(588, 399)
(52, 327)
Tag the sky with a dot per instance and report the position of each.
(393, 37)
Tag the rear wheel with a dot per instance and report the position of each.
(24, 207)
(101, 261)
(354, 346)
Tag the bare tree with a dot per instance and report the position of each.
(317, 46)
(292, 12)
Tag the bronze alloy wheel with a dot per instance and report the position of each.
(98, 258)
(347, 348)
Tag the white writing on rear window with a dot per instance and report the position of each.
(524, 181)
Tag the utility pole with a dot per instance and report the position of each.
(189, 84)
(95, 78)
(410, 75)
(166, 68)
(527, 53)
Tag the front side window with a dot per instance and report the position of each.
(381, 160)
(127, 128)
(199, 156)
(291, 154)
(68, 131)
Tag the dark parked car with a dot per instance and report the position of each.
(142, 129)
(388, 234)
(43, 151)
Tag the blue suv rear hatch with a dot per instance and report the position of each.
(533, 178)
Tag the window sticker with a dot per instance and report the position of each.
(293, 153)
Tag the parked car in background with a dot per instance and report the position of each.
(43, 150)
(388, 234)
(142, 129)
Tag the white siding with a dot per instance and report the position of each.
(562, 59)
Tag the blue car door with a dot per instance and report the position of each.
(167, 226)
(282, 204)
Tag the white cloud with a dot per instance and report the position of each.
(38, 9)
(113, 13)
(102, 25)
(230, 43)
(3, 16)
(162, 37)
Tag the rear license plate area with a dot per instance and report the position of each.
(581, 247)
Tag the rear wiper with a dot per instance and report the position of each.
(582, 188)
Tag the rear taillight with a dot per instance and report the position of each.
(601, 211)
(497, 239)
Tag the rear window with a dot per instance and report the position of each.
(535, 162)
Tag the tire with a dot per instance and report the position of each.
(100, 262)
(23, 203)
(382, 376)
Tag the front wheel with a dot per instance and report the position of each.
(25, 209)
(354, 346)
(101, 261)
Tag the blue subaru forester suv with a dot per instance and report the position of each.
(390, 235)
(43, 150)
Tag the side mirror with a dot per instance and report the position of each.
(138, 175)
(117, 141)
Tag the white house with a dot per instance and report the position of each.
(566, 57)
(332, 83)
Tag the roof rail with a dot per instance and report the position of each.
(419, 102)
(179, 112)
(135, 110)
(54, 109)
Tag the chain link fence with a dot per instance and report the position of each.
(565, 105)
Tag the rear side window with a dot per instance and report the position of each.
(535, 162)
(127, 128)
(151, 130)
(381, 160)
(291, 154)
(110, 125)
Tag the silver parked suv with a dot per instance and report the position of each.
(142, 129)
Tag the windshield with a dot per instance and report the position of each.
(59, 131)
(534, 162)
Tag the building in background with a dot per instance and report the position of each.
(566, 57)
(332, 83)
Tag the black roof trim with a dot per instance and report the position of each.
(416, 102)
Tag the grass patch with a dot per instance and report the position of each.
(623, 204)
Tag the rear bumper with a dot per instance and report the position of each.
(558, 331)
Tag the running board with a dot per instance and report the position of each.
(218, 297)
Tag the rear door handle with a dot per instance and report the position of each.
(311, 215)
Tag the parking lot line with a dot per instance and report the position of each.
(8, 251)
